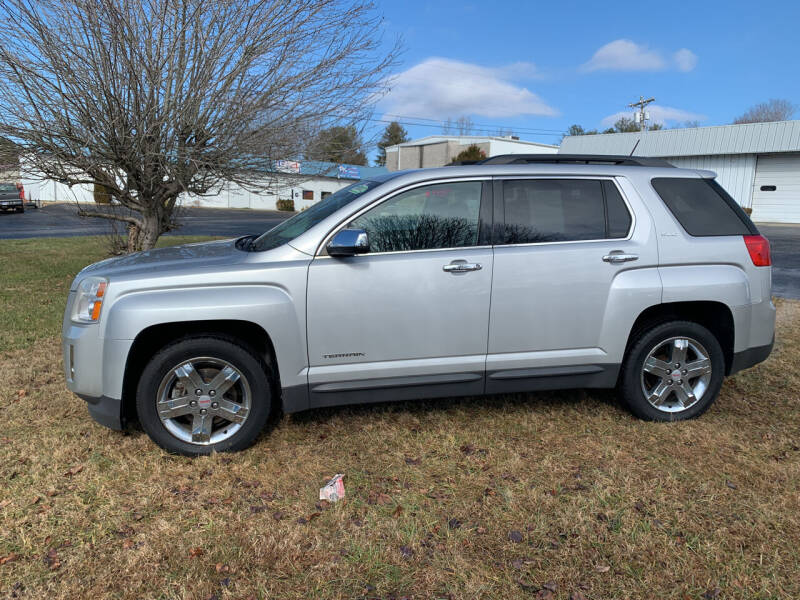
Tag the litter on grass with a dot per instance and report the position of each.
(333, 490)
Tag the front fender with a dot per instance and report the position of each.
(268, 306)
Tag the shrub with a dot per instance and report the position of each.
(285, 204)
(101, 194)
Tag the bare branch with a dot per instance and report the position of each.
(156, 98)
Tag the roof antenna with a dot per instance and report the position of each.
(635, 146)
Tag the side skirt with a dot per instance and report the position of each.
(423, 387)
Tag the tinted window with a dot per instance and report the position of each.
(619, 219)
(553, 210)
(702, 207)
(435, 216)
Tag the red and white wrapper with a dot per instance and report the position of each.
(333, 490)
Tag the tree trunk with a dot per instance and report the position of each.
(144, 236)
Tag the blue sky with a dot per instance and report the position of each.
(538, 67)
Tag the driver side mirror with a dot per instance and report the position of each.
(348, 242)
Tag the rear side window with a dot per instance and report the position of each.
(562, 210)
(702, 207)
(619, 219)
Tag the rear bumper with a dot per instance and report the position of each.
(11, 203)
(750, 357)
(106, 411)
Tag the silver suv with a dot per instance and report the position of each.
(518, 274)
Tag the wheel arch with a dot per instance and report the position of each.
(717, 317)
(155, 337)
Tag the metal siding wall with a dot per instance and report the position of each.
(734, 172)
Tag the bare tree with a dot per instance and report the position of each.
(772, 110)
(461, 126)
(155, 98)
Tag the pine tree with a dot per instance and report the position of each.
(393, 135)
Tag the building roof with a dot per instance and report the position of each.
(749, 138)
(318, 168)
(466, 140)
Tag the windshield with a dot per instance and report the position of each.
(305, 220)
(8, 187)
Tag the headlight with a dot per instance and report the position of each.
(89, 300)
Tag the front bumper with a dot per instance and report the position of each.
(106, 411)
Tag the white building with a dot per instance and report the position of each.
(758, 163)
(305, 182)
(439, 150)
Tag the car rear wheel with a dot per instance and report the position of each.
(672, 371)
(204, 394)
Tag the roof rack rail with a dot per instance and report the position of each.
(576, 159)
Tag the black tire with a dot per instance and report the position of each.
(630, 386)
(252, 369)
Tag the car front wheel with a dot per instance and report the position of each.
(204, 394)
(672, 371)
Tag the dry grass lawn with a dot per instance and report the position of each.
(558, 495)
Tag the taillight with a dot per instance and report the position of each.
(758, 247)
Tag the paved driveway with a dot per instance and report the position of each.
(785, 245)
(61, 220)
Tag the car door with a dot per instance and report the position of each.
(408, 319)
(569, 255)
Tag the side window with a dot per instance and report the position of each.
(443, 215)
(702, 206)
(552, 210)
(619, 219)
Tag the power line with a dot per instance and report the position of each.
(492, 131)
(532, 129)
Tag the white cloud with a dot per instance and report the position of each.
(685, 59)
(666, 115)
(626, 55)
(438, 88)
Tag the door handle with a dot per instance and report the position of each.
(616, 258)
(461, 267)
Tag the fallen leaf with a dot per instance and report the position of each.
(731, 485)
(51, 559)
(550, 586)
(515, 536)
(51, 492)
(454, 523)
(36, 500)
(8, 558)
(413, 461)
(313, 516)
(406, 552)
(195, 552)
(397, 511)
(128, 544)
(602, 568)
(322, 505)
(545, 594)
(73, 471)
(467, 449)
(277, 515)
(712, 594)
(576, 595)
(517, 563)
(302, 521)
(21, 393)
(222, 568)
(4, 503)
(480, 530)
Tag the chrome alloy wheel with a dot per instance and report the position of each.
(676, 374)
(203, 400)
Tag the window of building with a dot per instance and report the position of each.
(326, 194)
(435, 216)
(308, 194)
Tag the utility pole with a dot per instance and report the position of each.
(641, 116)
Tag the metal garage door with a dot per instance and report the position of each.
(776, 189)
